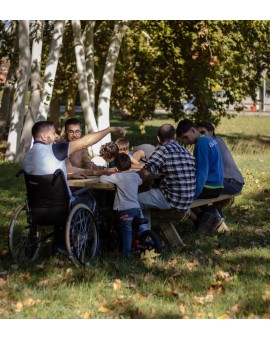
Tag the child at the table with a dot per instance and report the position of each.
(126, 197)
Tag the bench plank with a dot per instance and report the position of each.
(166, 218)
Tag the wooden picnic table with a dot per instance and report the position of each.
(92, 182)
(166, 218)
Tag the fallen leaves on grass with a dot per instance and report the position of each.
(193, 264)
(149, 257)
(202, 300)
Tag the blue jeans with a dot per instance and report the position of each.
(231, 187)
(125, 225)
(152, 199)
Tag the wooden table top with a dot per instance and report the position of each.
(91, 182)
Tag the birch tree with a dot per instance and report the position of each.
(88, 40)
(9, 87)
(51, 68)
(107, 79)
(34, 102)
(88, 112)
(18, 107)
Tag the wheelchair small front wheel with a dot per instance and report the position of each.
(149, 240)
(24, 237)
(81, 235)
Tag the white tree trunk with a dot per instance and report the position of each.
(88, 113)
(88, 40)
(51, 68)
(107, 80)
(34, 102)
(9, 87)
(18, 107)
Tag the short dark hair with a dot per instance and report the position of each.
(122, 161)
(207, 125)
(41, 126)
(166, 132)
(72, 121)
(183, 126)
(109, 150)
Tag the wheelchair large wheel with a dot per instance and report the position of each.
(24, 238)
(149, 240)
(81, 235)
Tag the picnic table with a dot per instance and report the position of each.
(166, 219)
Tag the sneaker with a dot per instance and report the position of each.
(205, 223)
(223, 229)
(217, 223)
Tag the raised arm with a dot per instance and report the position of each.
(94, 137)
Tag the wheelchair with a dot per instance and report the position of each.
(48, 203)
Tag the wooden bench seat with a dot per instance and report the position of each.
(167, 218)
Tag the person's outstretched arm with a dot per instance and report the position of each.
(94, 137)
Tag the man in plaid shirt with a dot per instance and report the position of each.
(175, 168)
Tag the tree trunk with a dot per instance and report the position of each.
(51, 68)
(18, 108)
(107, 80)
(54, 111)
(89, 117)
(9, 87)
(36, 85)
(88, 40)
(71, 100)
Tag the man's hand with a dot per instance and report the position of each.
(110, 170)
(120, 130)
(77, 175)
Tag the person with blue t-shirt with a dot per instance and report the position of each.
(209, 174)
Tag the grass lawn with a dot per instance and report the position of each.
(225, 277)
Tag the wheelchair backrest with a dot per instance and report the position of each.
(48, 198)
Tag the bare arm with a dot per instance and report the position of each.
(93, 138)
(146, 175)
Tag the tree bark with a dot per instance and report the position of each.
(36, 85)
(9, 87)
(51, 68)
(107, 80)
(89, 117)
(88, 40)
(18, 108)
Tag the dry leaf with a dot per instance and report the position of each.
(266, 295)
(191, 265)
(87, 315)
(182, 308)
(259, 231)
(29, 302)
(117, 284)
(2, 282)
(103, 309)
(19, 307)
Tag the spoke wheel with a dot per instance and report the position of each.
(81, 235)
(149, 240)
(24, 238)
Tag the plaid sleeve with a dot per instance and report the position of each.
(156, 161)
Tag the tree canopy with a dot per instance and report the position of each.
(134, 66)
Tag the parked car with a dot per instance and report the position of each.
(189, 107)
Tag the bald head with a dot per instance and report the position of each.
(166, 132)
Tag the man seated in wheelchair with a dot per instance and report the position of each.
(126, 203)
(46, 156)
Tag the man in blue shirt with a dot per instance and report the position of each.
(209, 173)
